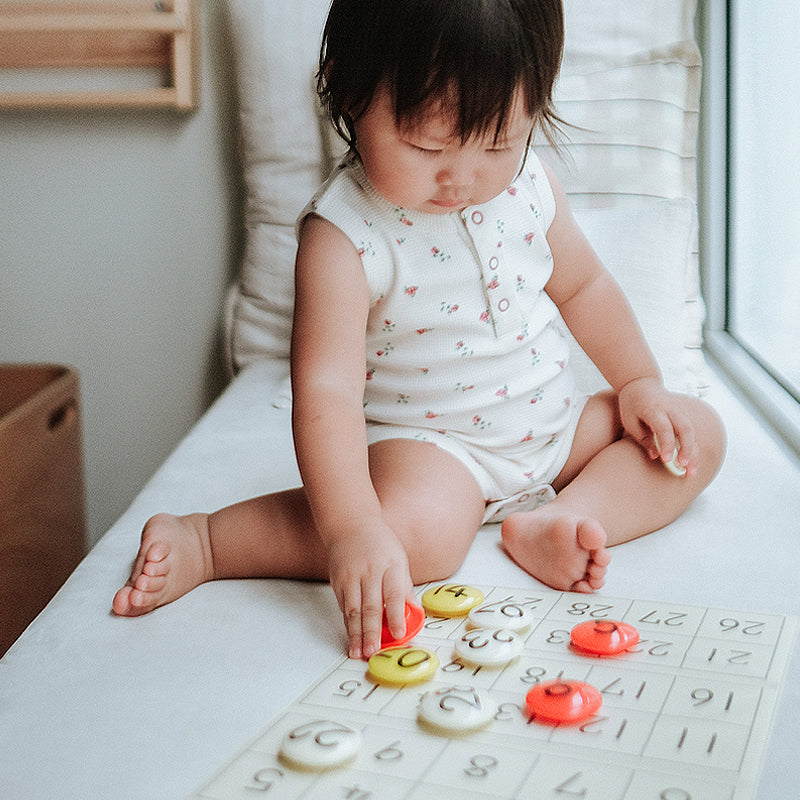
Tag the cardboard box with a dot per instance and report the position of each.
(42, 508)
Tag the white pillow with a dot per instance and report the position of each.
(647, 249)
(630, 79)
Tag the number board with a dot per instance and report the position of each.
(686, 713)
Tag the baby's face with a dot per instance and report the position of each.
(425, 168)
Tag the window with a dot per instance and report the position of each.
(751, 178)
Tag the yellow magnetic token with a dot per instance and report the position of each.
(403, 665)
(451, 600)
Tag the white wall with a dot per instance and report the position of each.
(118, 233)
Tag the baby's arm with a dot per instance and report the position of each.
(367, 564)
(602, 321)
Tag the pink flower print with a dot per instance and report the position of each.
(402, 398)
(561, 363)
(463, 349)
(480, 423)
(411, 291)
(529, 237)
(512, 190)
(385, 350)
(448, 308)
(370, 373)
(424, 370)
(430, 415)
(401, 217)
(528, 437)
(520, 282)
(388, 326)
(485, 317)
(365, 249)
(523, 334)
(567, 402)
(537, 356)
(504, 393)
(460, 387)
(420, 331)
(494, 283)
(536, 397)
(439, 255)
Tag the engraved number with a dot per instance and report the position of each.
(592, 609)
(390, 753)
(748, 628)
(265, 779)
(672, 618)
(674, 794)
(480, 766)
(567, 786)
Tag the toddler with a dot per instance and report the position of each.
(436, 271)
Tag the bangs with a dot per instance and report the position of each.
(474, 59)
(468, 63)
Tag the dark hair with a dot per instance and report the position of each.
(471, 55)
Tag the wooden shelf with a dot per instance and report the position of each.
(120, 35)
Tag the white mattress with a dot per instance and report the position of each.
(95, 706)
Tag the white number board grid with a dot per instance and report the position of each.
(686, 713)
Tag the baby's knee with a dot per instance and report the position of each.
(711, 437)
(433, 557)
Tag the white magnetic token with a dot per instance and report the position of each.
(320, 745)
(507, 615)
(672, 465)
(489, 648)
(457, 709)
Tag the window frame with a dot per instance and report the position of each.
(767, 397)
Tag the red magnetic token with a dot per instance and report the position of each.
(604, 637)
(415, 619)
(558, 701)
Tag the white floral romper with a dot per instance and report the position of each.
(464, 349)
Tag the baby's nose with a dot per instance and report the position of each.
(457, 174)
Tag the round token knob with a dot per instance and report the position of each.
(457, 709)
(604, 637)
(557, 701)
(511, 616)
(451, 600)
(320, 745)
(403, 665)
(415, 619)
(488, 648)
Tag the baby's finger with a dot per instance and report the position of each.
(371, 619)
(687, 450)
(350, 604)
(395, 605)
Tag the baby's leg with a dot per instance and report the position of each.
(429, 499)
(610, 491)
(177, 554)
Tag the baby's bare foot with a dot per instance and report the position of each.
(173, 558)
(565, 552)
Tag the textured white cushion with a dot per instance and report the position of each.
(647, 249)
(630, 81)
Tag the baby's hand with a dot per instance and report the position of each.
(654, 418)
(369, 571)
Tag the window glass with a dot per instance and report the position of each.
(763, 304)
